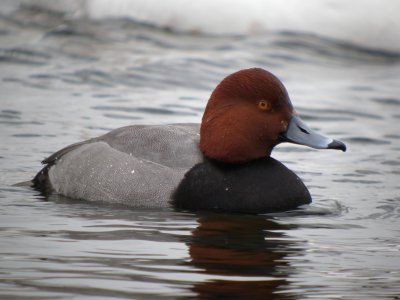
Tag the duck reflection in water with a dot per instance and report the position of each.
(244, 257)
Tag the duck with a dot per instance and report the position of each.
(223, 164)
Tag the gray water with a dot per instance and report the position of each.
(65, 80)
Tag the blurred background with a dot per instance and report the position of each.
(71, 70)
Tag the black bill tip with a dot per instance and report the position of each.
(337, 145)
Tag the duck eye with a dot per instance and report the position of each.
(264, 105)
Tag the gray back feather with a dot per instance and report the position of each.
(134, 165)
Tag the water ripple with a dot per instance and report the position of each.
(24, 56)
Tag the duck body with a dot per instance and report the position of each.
(136, 165)
(260, 186)
(222, 164)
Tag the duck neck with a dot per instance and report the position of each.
(222, 139)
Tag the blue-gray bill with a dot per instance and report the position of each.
(299, 133)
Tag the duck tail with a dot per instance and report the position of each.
(41, 181)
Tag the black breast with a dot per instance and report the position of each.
(260, 186)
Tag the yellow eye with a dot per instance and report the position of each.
(264, 105)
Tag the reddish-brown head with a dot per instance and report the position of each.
(244, 117)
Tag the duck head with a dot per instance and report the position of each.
(248, 114)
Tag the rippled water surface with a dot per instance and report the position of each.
(67, 80)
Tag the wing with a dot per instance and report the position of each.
(174, 145)
(134, 165)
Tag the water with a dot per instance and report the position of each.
(65, 80)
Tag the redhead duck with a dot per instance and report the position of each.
(224, 164)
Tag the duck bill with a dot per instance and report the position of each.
(299, 133)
